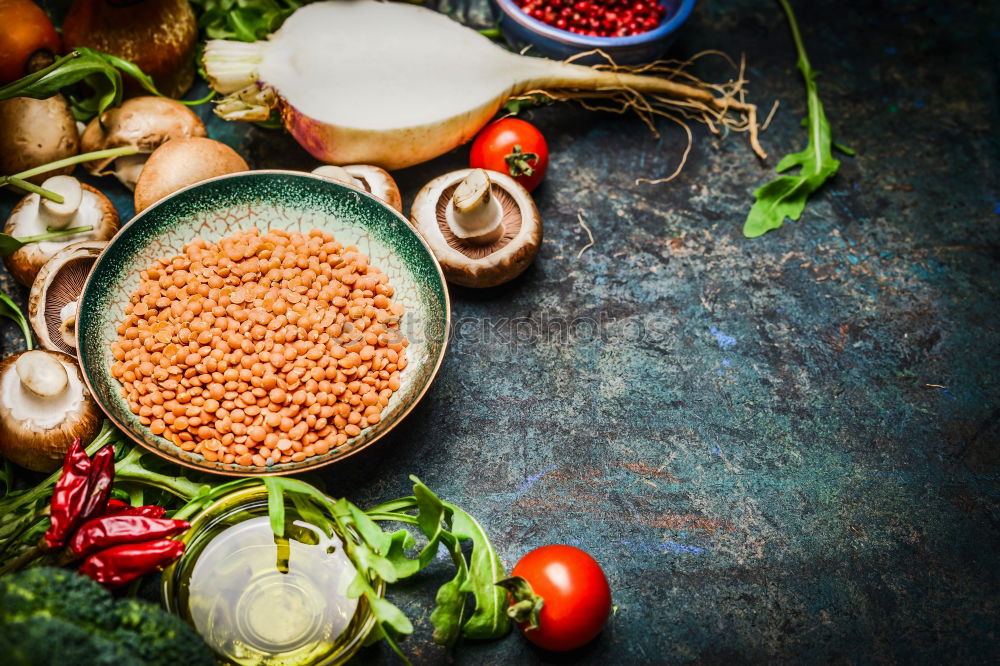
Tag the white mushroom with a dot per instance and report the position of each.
(52, 303)
(143, 122)
(365, 177)
(482, 226)
(44, 406)
(33, 216)
(182, 162)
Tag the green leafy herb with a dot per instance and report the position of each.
(9, 244)
(102, 72)
(379, 555)
(19, 179)
(786, 196)
(243, 20)
(476, 573)
(516, 105)
(9, 309)
(6, 477)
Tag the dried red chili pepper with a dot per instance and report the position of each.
(102, 474)
(69, 496)
(106, 531)
(119, 508)
(118, 565)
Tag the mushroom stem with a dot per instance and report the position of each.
(67, 323)
(473, 214)
(58, 214)
(128, 168)
(41, 374)
(339, 174)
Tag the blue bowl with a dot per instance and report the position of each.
(521, 30)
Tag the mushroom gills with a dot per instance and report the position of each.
(61, 302)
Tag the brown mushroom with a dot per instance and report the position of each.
(44, 406)
(34, 132)
(52, 302)
(365, 177)
(482, 226)
(143, 122)
(82, 206)
(182, 162)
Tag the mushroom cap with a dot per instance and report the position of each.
(35, 132)
(479, 265)
(376, 181)
(59, 283)
(144, 122)
(182, 162)
(35, 432)
(96, 210)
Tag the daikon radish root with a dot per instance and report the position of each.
(395, 84)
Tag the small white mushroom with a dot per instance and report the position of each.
(44, 406)
(34, 216)
(52, 302)
(365, 177)
(482, 226)
(143, 122)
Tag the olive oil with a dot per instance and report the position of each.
(259, 599)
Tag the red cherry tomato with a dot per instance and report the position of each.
(512, 146)
(577, 599)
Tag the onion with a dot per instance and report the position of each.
(394, 84)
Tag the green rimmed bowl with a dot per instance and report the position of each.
(290, 200)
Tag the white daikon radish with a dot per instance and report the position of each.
(395, 84)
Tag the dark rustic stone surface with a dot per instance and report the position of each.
(783, 449)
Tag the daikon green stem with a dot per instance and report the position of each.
(76, 159)
(37, 189)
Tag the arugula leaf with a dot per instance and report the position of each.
(377, 554)
(490, 617)
(102, 72)
(9, 309)
(786, 196)
(489, 620)
(449, 609)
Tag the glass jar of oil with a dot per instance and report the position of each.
(259, 599)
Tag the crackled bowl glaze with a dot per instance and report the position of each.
(219, 207)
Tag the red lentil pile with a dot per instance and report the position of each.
(260, 349)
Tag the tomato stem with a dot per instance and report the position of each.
(519, 162)
(526, 605)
